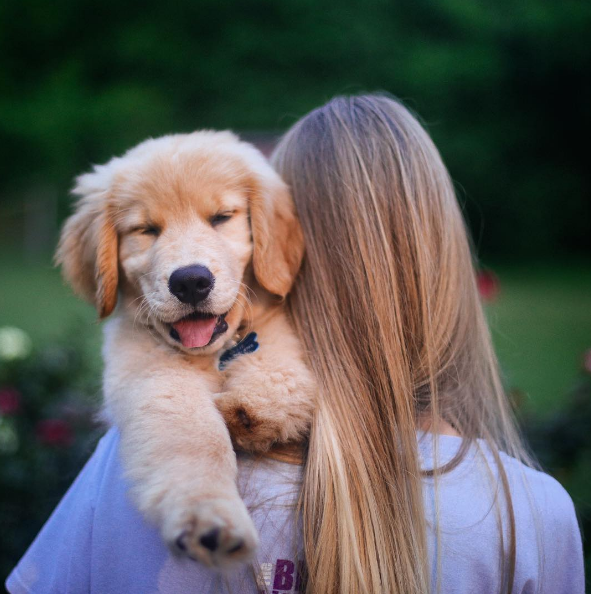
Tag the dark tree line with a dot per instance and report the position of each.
(503, 88)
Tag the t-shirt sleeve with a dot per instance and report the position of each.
(58, 560)
(563, 566)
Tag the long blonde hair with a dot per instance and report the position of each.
(387, 307)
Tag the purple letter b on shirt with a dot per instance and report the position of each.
(283, 575)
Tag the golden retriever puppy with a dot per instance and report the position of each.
(190, 241)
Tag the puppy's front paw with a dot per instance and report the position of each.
(266, 408)
(218, 533)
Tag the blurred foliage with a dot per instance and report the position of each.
(47, 431)
(504, 88)
(562, 444)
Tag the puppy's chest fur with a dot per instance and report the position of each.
(266, 397)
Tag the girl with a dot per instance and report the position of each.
(388, 309)
(414, 477)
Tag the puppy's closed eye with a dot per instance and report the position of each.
(147, 229)
(220, 217)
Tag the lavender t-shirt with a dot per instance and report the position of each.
(96, 541)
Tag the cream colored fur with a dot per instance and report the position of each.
(171, 404)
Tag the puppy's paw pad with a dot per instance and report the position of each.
(242, 419)
(217, 534)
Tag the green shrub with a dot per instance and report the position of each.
(47, 431)
(562, 444)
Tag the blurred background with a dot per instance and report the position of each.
(504, 89)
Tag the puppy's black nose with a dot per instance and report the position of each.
(191, 284)
(211, 539)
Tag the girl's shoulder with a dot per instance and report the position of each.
(469, 507)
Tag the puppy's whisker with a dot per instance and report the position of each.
(247, 304)
(144, 305)
(137, 299)
(246, 307)
(152, 273)
(241, 284)
(141, 297)
(150, 328)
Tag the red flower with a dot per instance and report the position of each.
(10, 401)
(587, 361)
(488, 285)
(54, 432)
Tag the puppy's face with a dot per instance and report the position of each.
(170, 230)
(185, 243)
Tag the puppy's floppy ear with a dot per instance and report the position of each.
(88, 245)
(277, 235)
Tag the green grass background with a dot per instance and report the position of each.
(541, 321)
(541, 325)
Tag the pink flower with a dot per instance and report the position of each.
(10, 401)
(587, 361)
(54, 432)
(488, 285)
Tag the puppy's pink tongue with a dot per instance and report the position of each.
(195, 333)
